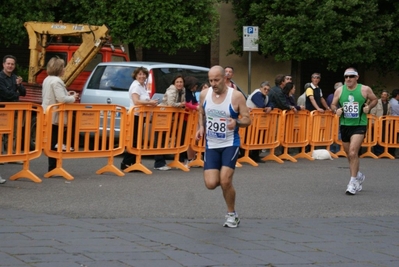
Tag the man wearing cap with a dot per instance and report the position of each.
(352, 98)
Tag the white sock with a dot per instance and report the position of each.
(353, 179)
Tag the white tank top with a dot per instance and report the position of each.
(216, 115)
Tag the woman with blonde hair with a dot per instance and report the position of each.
(54, 91)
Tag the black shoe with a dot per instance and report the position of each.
(123, 166)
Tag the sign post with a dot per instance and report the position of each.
(250, 34)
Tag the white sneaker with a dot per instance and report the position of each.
(2, 181)
(163, 168)
(64, 147)
(360, 179)
(232, 220)
(352, 187)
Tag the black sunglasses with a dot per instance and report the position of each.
(349, 76)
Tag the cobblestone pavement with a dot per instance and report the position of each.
(293, 214)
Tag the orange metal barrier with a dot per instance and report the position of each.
(295, 133)
(263, 133)
(371, 136)
(82, 124)
(337, 140)
(322, 134)
(389, 125)
(197, 145)
(18, 123)
(160, 132)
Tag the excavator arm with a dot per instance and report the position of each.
(93, 39)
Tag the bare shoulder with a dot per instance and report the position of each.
(203, 94)
(367, 91)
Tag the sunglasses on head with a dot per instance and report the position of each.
(316, 77)
(349, 76)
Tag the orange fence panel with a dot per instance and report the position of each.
(88, 124)
(322, 134)
(371, 136)
(19, 122)
(197, 145)
(160, 132)
(263, 133)
(337, 138)
(295, 133)
(388, 136)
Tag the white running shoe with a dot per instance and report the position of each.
(2, 181)
(360, 179)
(232, 220)
(64, 147)
(352, 187)
(163, 168)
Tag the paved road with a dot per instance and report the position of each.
(293, 214)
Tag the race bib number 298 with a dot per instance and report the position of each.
(216, 128)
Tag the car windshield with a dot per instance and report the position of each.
(112, 78)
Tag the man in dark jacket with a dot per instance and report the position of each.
(10, 89)
(276, 95)
(10, 84)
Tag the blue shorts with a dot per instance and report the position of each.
(218, 157)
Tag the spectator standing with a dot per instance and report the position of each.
(191, 85)
(229, 75)
(394, 103)
(53, 92)
(301, 101)
(138, 95)
(289, 92)
(259, 98)
(330, 97)
(314, 95)
(203, 86)
(382, 108)
(11, 88)
(353, 99)
(175, 96)
(220, 108)
(276, 95)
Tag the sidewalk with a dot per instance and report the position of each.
(40, 240)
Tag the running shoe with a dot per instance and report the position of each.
(2, 181)
(360, 179)
(232, 220)
(163, 168)
(352, 188)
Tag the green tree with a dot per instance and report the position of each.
(165, 24)
(363, 32)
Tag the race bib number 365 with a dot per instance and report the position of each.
(351, 109)
(216, 128)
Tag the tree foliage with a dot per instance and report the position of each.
(165, 24)
(362, 32)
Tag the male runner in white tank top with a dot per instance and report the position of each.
(221, 111)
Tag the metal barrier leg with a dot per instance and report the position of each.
(272, 156)
(386, 154)
(247, 159)
(59, 171)
(285, 155)
(138, 166)
(303, 154)
(177, 164)
(26, 173)
(369, 153)
(110, 167)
